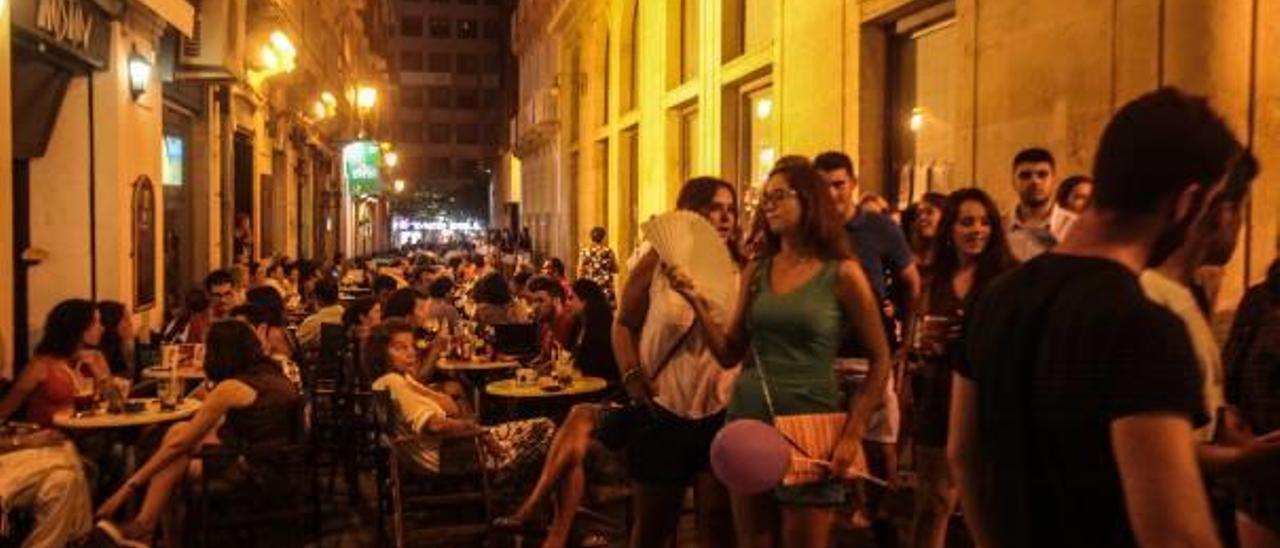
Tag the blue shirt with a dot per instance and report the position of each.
(881, 248)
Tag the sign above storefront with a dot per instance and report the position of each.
(76, 27)
(361, 166)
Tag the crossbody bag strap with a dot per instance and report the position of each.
(666, 359)
(764, 382)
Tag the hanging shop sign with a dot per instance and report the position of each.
(78, 28)
(362, 165)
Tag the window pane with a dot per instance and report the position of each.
(411, 25)
(759, 121)
(440, 97)
(467, 28)
(411, 61)
(468, 63)
(411, 97)
(439, 133)
(411, 132)
(468, 134)
(492, 64)
(440, 62)
(439, 27)
(467, 98)
(439, 167)
(174, 173)
(490, 98)
(492, 28)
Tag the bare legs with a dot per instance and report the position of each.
(763, 523)
(563, 468)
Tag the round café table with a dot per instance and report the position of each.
(476, 372)
(509, 388)
(526, 401)
(151, 414)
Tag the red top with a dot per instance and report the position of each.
(56, 393)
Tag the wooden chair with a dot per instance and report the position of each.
(446, 508)
(271, 501)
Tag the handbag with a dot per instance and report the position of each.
(812, 436)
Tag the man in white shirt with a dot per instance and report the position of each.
(330, 312)
(1037, 223)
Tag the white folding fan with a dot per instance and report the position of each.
(686, 239)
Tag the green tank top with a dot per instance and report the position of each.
(795, 335)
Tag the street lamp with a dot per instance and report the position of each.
(139, 75)
(366, 97)
(398, 185)
(391, 159)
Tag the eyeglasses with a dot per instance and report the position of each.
(776, 195)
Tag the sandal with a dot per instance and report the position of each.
(117, 535)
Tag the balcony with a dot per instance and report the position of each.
(538, 120)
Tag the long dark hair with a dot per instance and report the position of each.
(492, 289)
(64, 328)
(995, 259)
(269, 299)
(697, 195)
(111, 314)
(1067, 185)
(232, 347)
(377, 361)
(357, 308)
(595, 351)
(820, 226)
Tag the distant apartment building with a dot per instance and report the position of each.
(451, 57)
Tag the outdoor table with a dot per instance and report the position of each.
(476, 373)
(537, 401)
(116, 422)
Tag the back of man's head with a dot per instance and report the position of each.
(326, 291)
(546, 284)
(384, 284)
(1155, 147)
(256, 315)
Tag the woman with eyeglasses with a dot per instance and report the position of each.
(799, 299)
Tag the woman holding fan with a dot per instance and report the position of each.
(798, 300)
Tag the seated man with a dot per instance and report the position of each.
(330, 312)
(41, 473)
(559, 323)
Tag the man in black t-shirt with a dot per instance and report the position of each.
(1073, 410)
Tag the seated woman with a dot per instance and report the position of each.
(279, 340)
(494, 304)
(118, 338)
(431, 415)
(593, 352)
(252, 406)
(64, 362)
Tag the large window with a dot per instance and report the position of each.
(172, 170)
(468, 63)
(631, 58)
(489, 98)
(748, 26)
(467, 98)
(492, 29)
(439, 134)
(411, 97)
(757, 139)
(440, 62)
(922, 110)
(685, 120)
(468, 28)
(411, 132)
(629, 177)
(440, 97)
(439, 27)
(411, 61)
(682, 41)
(468, 134)
(410, 25)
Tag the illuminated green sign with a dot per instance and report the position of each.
(361, 164)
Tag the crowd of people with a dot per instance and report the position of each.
(1050, 375)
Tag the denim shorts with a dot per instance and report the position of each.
(828, 492)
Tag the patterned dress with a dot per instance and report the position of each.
(598, 264)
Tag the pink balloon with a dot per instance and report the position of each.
(749, 456)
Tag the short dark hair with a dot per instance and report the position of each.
(521, 279)
(793, 160)
(196, 301)
(556, 265)
(597, 234)
(698, 193)
(401, 302)
(440, 288)
(357, 308)
(376, 360)
(545, 283)
(1033, 155)
(64, 328)
(232, 347)
(1155, 147)
(255, 314)
(384, 282)
(492, 289)
(326, 291)
(833, 160)
(268, 298)
(216, 278)
(1067, 186)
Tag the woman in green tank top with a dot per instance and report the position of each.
(799, 299)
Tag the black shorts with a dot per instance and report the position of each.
(662, 448)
